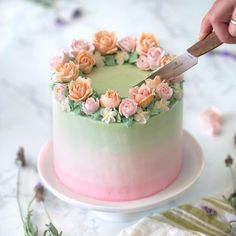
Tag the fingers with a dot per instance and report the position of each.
(221, 30)
(206, 27)
(232, 27)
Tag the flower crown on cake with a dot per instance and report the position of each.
(73, 89)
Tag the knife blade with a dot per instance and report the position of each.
(185, 61)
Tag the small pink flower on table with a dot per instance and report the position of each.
(128, 107)
(60, 57)
(59, 90)
(164, 91)
(127, 44)
(154, 56)
(90, 106)
(110, 99)
(81, 45)
(211, 120)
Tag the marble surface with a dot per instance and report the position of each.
(28, 39)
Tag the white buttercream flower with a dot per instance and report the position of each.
(141, 116)
(108, 115)
(178, 91)
(99, 59)
(162, 105)
(65, 106)
(121, 57)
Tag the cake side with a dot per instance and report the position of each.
(113, 162)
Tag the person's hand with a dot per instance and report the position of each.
(220, 18)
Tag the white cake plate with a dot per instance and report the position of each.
(123, 211)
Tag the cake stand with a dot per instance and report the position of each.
(128, 210)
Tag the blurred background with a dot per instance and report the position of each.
(31, 31)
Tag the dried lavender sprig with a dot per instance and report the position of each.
(229, 162)
(223, 53)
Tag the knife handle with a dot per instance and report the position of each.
(205, 45)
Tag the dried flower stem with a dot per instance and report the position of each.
(46, 212)
(18, 194)
(233, 178)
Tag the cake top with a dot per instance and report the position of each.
(95, 79)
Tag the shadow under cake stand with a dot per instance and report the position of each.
(125, 210)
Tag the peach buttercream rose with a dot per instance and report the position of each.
(66, 72)
(81, 45)
(127, 44)
(86, 61)
(153, 83)
(144, 42)
(164, 91)
(80, 89)
(142, 95)
(90, 106)
(127, 107)
(167, 59)
(60, 57)
(110, 99)
(105, 42)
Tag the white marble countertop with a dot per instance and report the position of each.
(28, 38)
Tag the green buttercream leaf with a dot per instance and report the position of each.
(133, 57)
(128, 121)
(110, 60)
(78, 109)
(66, 92)
(81, 74)
(96, 115)
(118, 118)
(52, 85)
(71, 104)
(154, 111)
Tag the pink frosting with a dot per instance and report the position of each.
(128, 43)
(211, 121)
(164, 91)
(142, 63)
(60, 57)
(81, 45)
(140, 93)
(59, 90)
(154, 56)
(128, 107)
(90, 106)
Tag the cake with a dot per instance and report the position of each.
(113, 141)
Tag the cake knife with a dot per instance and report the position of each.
(185, 61)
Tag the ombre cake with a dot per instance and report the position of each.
(112, 141)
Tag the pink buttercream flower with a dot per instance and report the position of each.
(164, 91)
(142, 63)
(60, 57)
(59, 90)
(128, 107)
(90, 106)
(153, 83)
(81, 45)
(128, 43)
(142, 95)
(211, 121)
(154, 56)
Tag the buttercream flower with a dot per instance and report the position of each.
(105, 42)
(142, 95)
(128, 43)
(211, 121)
(86, 61)
(121, 57)
(60, 57)
(142, 63)
(99, 59)
(65, 105)
(108, 115)
(110, 99)
(178, 91)
(80, 89)
(153, 83)
(154, 56)
(128, 107)
(59, 90)
(141, 116)
(81, 45)
(167, 59)
(164, 91)
(144, 42)
(66, 72)
(90, 106)
(162, 105)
